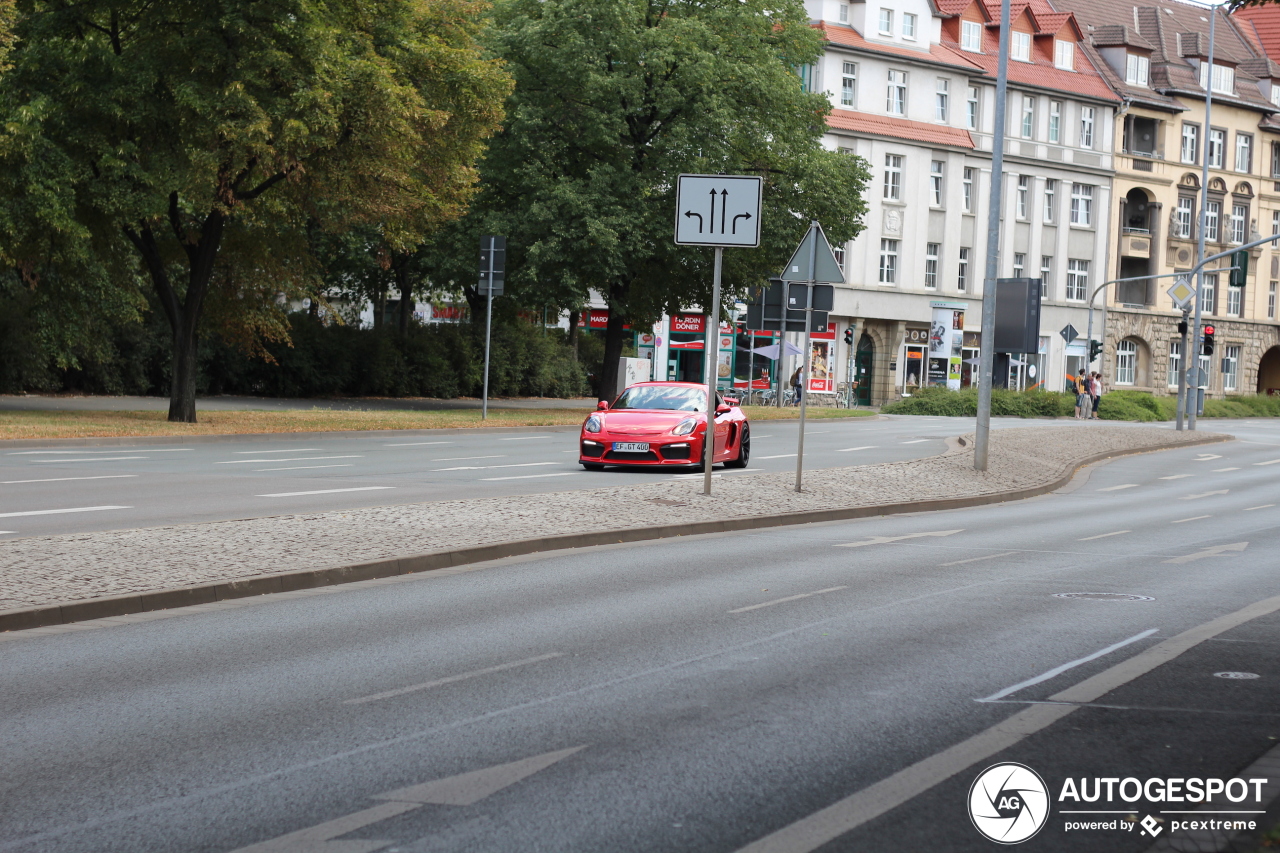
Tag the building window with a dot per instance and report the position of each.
(1055, 121)
(1020, 46)
(1212, 215)
(1190, 143)
(886, 22)
(1077, 279)
(1271, 301)
(844, 150)
(888, 261)
(1209, 293)
(1224, 78)
(1175, 363)
(935, 183)
(971, 36)
(1184, 216)
(1275, 154)
(942, 100)
(931, 252)
(1137, 69)
(1064, 54)
(962, 273)
(1217, 145)
(1235, 301)
(1050, 200)
(843, 13)
(1244, 152)
(1046, 275)
(1086, 126)
(1019, 264)
(1230, 368)
(1081, 204)
(1028, 116)
(909, 26)
(1275, 223)
(849, 85)
(896, 98)
(1126, 362)
(1239, 218)
(893, 177)
(1024, 190)
(966, 187)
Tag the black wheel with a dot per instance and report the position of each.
(593, 466)
(744, 450)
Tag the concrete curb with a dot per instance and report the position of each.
(122, 605)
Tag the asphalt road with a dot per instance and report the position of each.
(697, 694)
(51, 490)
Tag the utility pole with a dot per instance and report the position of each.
(1204, 221)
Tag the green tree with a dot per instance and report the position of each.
(612, 102)
(200, 143)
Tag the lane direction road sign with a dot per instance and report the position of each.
(718, 210)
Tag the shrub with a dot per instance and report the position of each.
(1126, 406)
(964, 403)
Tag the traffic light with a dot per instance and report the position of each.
(848, 336)
(1182, 327)
(1207, 348)
(1239, 269)
(1095, 350)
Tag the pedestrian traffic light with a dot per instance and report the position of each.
(848, 336)
(1095, 350)
(1207, 347)
(1182, 327)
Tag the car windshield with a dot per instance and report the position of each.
(663, 397)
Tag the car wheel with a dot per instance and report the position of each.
(593, 466)
(744, 450)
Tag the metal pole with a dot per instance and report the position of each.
(808, 342)
(713, 362)
(1204, 203)
(987, 355)
(1182, 371)
(488, 325)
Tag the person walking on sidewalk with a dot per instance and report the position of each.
(1095, 394)
(797, 382)
(1083, 401)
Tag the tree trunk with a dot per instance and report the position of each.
(573, 332)
(182, 381)
(613, 340)
(405, 283)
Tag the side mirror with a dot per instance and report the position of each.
(602, 405)
(722, 409)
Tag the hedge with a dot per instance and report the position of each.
(1114, 406)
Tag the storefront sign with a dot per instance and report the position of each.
(596, 318)
(689, 323)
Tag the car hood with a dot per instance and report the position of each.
(643, 421)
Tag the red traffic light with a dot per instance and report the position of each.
(1208, 330)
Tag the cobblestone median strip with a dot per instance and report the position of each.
(49, 580)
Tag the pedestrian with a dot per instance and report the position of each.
(797, 382)
(1095, 392)
(1083, 400)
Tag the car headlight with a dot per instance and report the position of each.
(685, 426)
(594, 424)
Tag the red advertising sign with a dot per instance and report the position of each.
(596, 318)
(689, 323)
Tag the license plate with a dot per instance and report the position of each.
(631, 447)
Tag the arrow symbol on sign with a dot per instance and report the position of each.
(689, 213)
(713, 212)
(881, 540)
(1215, 551)
(1204, 495)
(736, 218)
(724, 202)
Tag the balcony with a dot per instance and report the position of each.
(1135, 243)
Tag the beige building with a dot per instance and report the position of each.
(1155, 58)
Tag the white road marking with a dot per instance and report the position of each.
(93, 459)
(294, 459)
(7, 532)
(788, 598)
(1264, 506)
(440, 682)
(1118, 488)
(1221, 470)
(1206, 457)
(917, 441)
(1103, 535)
(286, 450)
(64, 479)
(1175, 477)
(487, 467)
(324, 492)
(1204, 495)
(779, 456)
(1268, 462)
(1058, 670)
(468, 458)
(417, 443)
(976, 559)
(97, 450)
(1193, 518)
(529, 476)
(305, 467)
(1215, 551)
(60, 511)
(881, 540)
(524, 437)
(847, 449)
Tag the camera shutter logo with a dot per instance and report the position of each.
(1008, 803)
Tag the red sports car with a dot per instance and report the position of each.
(663, 424)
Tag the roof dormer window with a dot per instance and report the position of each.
(843, 13)
(1020, 47)
(1224, 78)
(1064, 54)
(971, 36)
(1275, 92)
(886, 22)
(1137, 69)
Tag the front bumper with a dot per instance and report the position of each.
(666, 450)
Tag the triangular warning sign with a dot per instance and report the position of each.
(824, 260)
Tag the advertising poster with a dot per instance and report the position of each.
(724, 365)
(820, 378)
(946, 339)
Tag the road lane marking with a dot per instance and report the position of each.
(1103, 535)
(468, 458)
(487, 467)
(324, 492)
(1058, 670)
(305, 467)
(286, 450)
(524, 437)
(779, 456)
(60, 511)
(1268, 462)
(847, 449)
(97, 450)
(1193, 518)
(295, 459)
(881, 540)
(64, 479)
(93, 459)
(1215, 551)
(1204, 495)
(1175, 477)
(917, 441)
(828, 824)
(1118, 488)
(1251, 508)
(440, 682)
(788, 598)
(529, 476)
(1221, 470)
(976, 559)
(417, 443)
(1206, 457)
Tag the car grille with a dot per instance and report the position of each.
(675, 452)
(631, 457)
(592, 450)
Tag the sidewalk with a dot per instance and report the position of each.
(57, 579)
